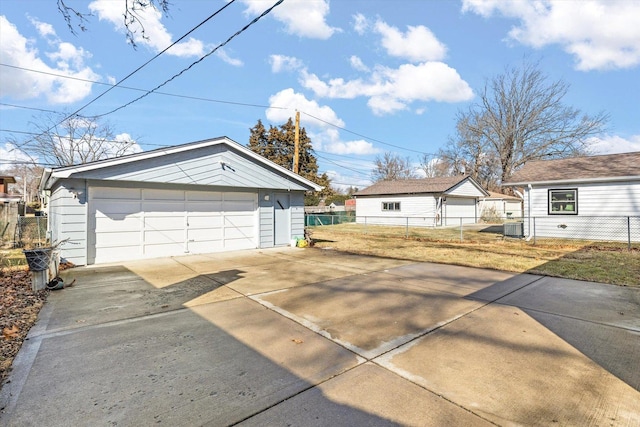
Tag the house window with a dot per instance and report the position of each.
(563, 202)
(390, 206)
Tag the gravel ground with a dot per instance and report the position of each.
(19, 308)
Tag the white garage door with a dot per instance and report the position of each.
(456, 208)
(134, 223)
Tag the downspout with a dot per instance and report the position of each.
(530, 236)
(438, 213)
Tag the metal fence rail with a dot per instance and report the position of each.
(622, 231)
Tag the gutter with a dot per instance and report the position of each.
(574, 181)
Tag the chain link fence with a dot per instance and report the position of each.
(24, 231)
(621, 232)
(314, 220)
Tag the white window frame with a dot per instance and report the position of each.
(390, 206)
(562, 201)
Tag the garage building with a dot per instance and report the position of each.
(203, 197)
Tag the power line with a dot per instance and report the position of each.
(195, 98)
(242, 30)
(22, 132)
(366, 137)
(149, 61)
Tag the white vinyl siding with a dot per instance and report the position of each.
(617, 199)
(466, 189)
(420, 209)
(68, 223)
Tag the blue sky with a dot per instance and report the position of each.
(380, 75)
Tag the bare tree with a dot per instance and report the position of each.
(130, 16)
(390, 167)
(520, 117)
(73, 141)
(433, 166)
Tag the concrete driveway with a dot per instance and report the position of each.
(312, 337)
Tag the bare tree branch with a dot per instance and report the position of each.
(520, 117)
(73, 141)
(391, 167)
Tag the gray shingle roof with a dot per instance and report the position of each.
(412, 186)
(586, 168)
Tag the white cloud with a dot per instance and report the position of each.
(418, 44)
(303, 18)
(600, 34)
(357, 64)
(10, 153)
(222, 54)
(16, 50)
(612, 144)
(281, 63)
(323, 133)
(157, 36)
(360, 23)
(288, 100)
(43, 28)
(328, 140)
(393, 89)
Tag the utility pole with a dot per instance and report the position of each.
(296, 151)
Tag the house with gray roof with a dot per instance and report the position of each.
(203, 197)
(429, 202)
(499, 205)
(590, 197)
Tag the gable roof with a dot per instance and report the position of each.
(609, 167)
(494, 195)
(50, 176)
(417, 186)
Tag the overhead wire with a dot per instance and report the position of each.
(237, 33)
(150, 60)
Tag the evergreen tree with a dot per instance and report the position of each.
(278, 145)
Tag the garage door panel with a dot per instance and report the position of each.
(210, 221)
(238, 233)
(115, 193)
(206, 247)
(237, 244)
(203, 207)
(204, 196)
(237, 206)
(129, 223)
(160, 208)
(117, 239)
(117, 208)
(111, 254)
(164, 223)
(173, 237)
(206, 235)
(155, 251)
(238, 221)
(162, 194)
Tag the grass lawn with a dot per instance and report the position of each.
(484, 246)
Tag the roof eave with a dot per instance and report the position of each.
(66, 172)
(573, 181)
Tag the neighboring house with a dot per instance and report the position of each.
(5, 197)
(591, 197)
(420, 202)
(502, 205)
(203, 197)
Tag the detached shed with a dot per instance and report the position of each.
(206, 196)
(420, 202)
(501, 205)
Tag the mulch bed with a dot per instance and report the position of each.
(19, 308)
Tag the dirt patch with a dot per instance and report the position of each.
(19, 308)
